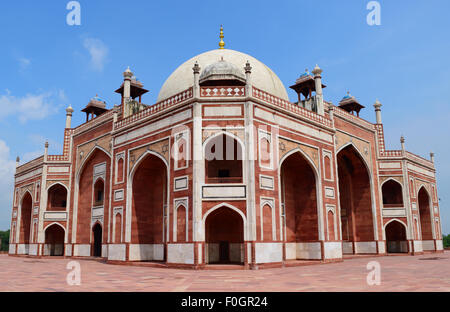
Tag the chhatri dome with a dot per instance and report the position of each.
(219, 61)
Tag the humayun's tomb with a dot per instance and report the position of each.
(225, 169)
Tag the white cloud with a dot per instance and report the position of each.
(30, 106)
(24, 63)
(98, 52)
(7, 170)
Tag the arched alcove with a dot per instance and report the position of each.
(223, 160)
(224, 236)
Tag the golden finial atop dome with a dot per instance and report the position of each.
(221, 43)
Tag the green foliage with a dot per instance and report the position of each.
(4, 237)
(446, 239)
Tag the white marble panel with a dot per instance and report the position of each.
(332, 250)
(309, 251)
(428, 245)
(82, 250)
(365, 247)
(268, 252)
(117, 252)
(180, 253)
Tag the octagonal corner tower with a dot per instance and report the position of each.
(262, 76)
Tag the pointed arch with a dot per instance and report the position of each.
(224, 234)
(147, 207)
(24, 194)
(54, 223)
(57, 197)
(301, 216)
(132, 171)
(244, 219)
(392, 193)
(54, 235)
(395, 232)
(223, 169)
(87, 158)
(25, 218)
(425, 213)
(316, 171)
(358, 213)
(83, 192)
(359, 153)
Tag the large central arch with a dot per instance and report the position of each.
(299, 198)
(95, 167)
(149, 203)
(357, 218)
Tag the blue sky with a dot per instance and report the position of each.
(47, 64)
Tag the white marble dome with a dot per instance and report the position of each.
(262, 76)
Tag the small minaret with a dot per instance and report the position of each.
(196, 70)
(248, 78)
(318, 84)
(69, 111)
(127, 75)
(402, 141)
(432, 157)
(17, 161)
(377, 106)
(46, 151)
(221, 43)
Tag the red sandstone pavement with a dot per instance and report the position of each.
(398, 273)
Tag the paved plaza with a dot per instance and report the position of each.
(430, 272)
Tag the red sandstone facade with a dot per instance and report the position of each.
(225, 171)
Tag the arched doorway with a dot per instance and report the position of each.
(425, 215)
(223, 160)
(356, 201)
(299, 202)
(224, 237)
(25, 219)
(54, 241)
(97, 236)
(149, 202)
(396, 241)
(57, 198)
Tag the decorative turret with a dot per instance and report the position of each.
(317, 71)
(130, 89)
(305, 85)
(46, 151)
(248, 75)
(377, 106)
(350, 104)
(402, 142)
(17, 161)
(196, 70)
(432, 157)
(69, 111)
(95, 107)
